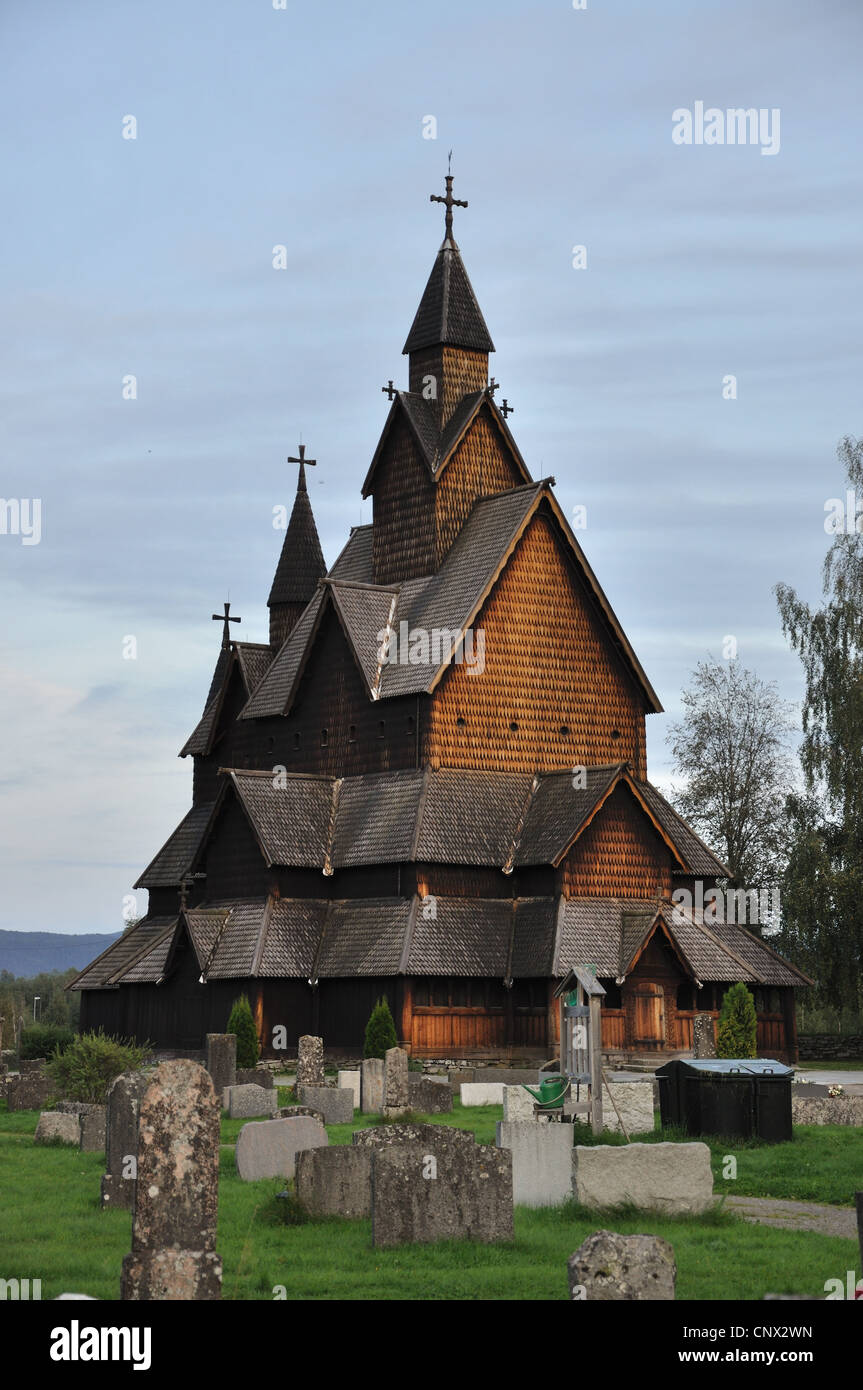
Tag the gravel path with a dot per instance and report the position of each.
(795, 1216)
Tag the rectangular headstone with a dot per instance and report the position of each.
(121, 1139)
(350, 1079)
(337, 1107)
(662, 1177)
(427, 1097)
(336, 1181)
(482, 1093)
(541, 1161)
(56, 1128)
(372, 1085)
(451, 1192)
(703, 1036)
(518, 1106)
(310, 1061)
(92, 1125)
(246, 1101)
(30, 1092)
(173, 1254)
(254, 1076)
(396, 1096)
(222, 1060)
(382, 1136)
(826, 1110)
(269, 1148)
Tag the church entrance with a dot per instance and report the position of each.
(649, 1015)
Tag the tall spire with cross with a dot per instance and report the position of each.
(301, 563)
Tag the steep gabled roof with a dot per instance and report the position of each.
(135, 944)
(176, 859)
(301, 563)
(449, 313)
(276, 691)
(253, 660)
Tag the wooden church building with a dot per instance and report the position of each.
(431, 782)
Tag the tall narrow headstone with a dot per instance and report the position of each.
(173, 1253)
(372, 1085)
(121, 1139)
(222, 1060)
(703, 1036)
(310, 1061)
(396, 1089)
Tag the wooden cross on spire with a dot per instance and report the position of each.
(226, 619)
(302, 461)
(448, 201)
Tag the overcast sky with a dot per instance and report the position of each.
(304, 127)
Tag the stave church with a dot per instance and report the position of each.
(431, 781)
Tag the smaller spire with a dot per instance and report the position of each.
(301, 563)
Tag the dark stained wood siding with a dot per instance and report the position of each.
(457, 372)
(618, 855)
(404, 512)
(233, 861)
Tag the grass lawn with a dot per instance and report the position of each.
(51, 1228)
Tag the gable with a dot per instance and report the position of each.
(620, 854)
(481, 465)
(549, 668)
(403, 541)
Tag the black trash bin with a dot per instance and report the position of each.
(741, 1097)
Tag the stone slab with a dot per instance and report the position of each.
(336, 1106)
(663, 1177)
(121, 1139)
(54, 1127)
(244, 1102)
(336, 1181)
(451, 1192)
(92, 1126)
(541, 1161)
(518, 1105)
(30, 1092)
(372, 1085)
(482, 1093)
(310, 1060)
(610, 1268)
(396, 1095)
(350, 1080)
(269, 1148)
(381, 1136)
(826, 1110)
(427, 1097)
(222, 1060)
(254, 1076)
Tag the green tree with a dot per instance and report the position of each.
(737, 1029)
(822, 897)
(380, 1031)
(242, 1023)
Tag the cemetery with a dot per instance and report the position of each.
(323, 1182)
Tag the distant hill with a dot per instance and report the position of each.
(32, 952)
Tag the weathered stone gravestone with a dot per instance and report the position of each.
(30, 1092)
(518, 1106)
(609, 1267)
(269, 1148)
(337, 1107)
(372, 1085)
(382, 1136)
(626, 1105)
(663, 1177)
(826, 1110)
(541, 1161)
(428, 1097)
(351, 1080)
(121, 1139)
(35, 1064)
(482, 1093)
(449, 1192)
(255, 1076)
(57, 1128)
(92, 1129)
(173, 1253)
(222, 1060)
(310, 1061)
(396, 1091)
(703, 1036)
(287, 1112)
(244, 1102)
(336, 1181)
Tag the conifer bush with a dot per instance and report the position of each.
(86, 1068)
(242, 1023)
(42, 1039)
(380, 1031)
(737, 1029)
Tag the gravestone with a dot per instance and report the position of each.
(703, 1036)
(335, 1182)
(518, 1106)
(541, 1161)
(450, 1191)
(244, 1102)
(53, 1128)
(382, 1136)
(30, 1092)
(92, 1129)
(268, 1148)
(337, 1107)
(372, 1085)
(625, 1104)
(350, 1079)
(173, 1253)
(287, 1112)
(310, 1061)
(428, 1097)
(826, 1110)
(664, 1177)
(222, 1060)
(121, 1139)
(608, 1267)
(396, 1094)
(35, 1064)
(482, 1093)
(255, 1076)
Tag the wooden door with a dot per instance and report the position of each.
(649, 1015)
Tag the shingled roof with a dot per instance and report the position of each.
(253, 660)
(176, 858)
(301, 563)
(449, 313)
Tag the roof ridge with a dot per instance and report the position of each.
(509, 862)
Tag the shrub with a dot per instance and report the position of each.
(242, 1023)
(737, 1030)
(380, 1031)
(42, 1039)
(85, 1070)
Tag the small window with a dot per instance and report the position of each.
(564, 731)
(296, 740)
(513, 728)
(615, 734)
(461, 721)
(325, 737)
(381, 728)
(352, 734)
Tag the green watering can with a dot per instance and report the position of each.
(551, 1091)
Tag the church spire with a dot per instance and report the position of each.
(301, 563)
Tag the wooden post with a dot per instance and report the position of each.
(595, 1023)
(407, 1014)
